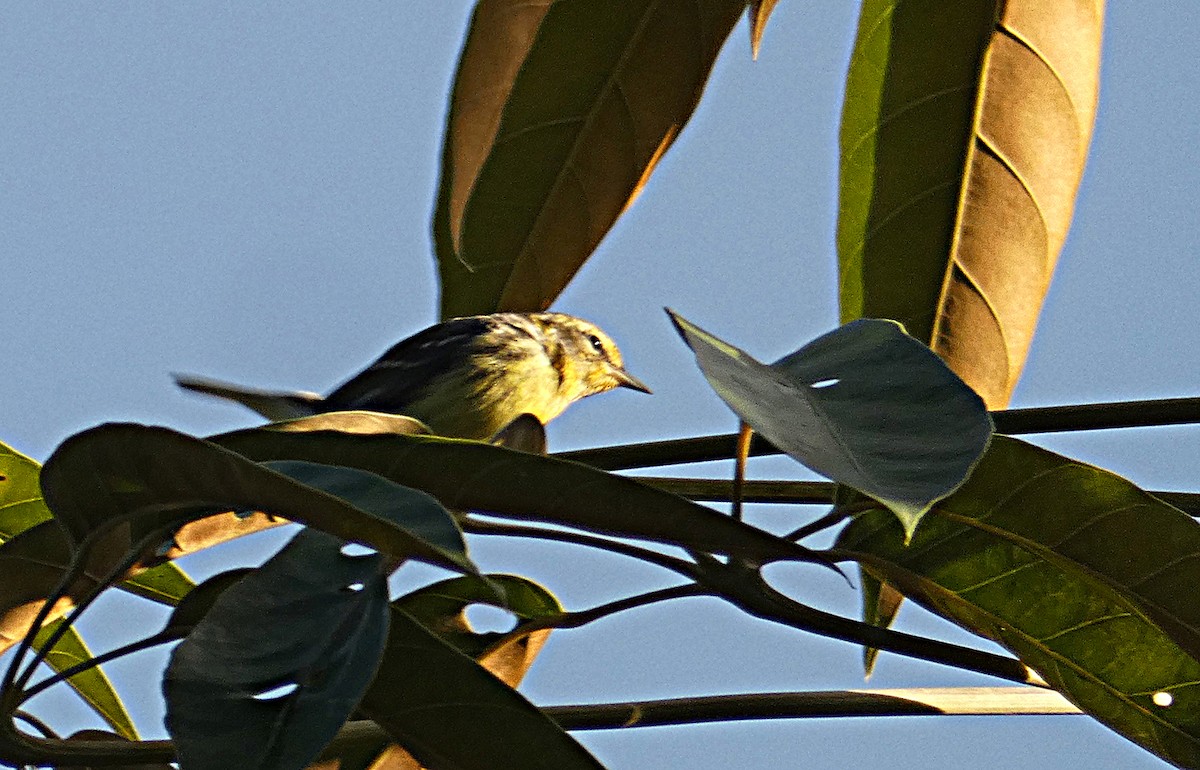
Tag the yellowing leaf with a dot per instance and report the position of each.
(964, 135)
(558, 115)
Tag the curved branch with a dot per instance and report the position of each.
(478, 527)
(1048, 419)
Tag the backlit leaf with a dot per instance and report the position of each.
(559, 113)
(964, 133)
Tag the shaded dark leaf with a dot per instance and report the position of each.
(865, 405)
(196, 604)
(449, 712)
(279, 662)
(158, 480)
(468, 475)
(442, 607)
(410, 509)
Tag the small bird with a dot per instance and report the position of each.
(467, 377)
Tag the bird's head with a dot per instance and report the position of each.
(586, 358)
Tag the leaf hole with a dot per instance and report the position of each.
(357, 550)
(485, 618)
(825, 383)
(1162, 699)
(278, 692)
(355, 587)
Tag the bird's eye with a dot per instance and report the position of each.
(597, 345)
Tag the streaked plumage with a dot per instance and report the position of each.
(467, 377)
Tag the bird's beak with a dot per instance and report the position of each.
(627, 380)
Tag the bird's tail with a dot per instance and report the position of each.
(274, 405)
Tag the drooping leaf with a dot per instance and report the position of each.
(92, 685)
(449, 712)
(468, 475)
(964, 133)
(274, 668)
(560, 111)
(1086, 578)
(158, 480)
(865, 405)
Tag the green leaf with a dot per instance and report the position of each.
(865, 405)
(1086, 578)
(279, 662)
(469, 475)
(21, 504)
(92, 685)
(158, 479)
(964, 132)
(449, 712)
(165, 584)
(559, 113)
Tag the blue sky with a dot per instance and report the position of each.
(246, 194)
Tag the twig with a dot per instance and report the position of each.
(759, 599)
(36, 724)
(478, 527)
(721, 490)
(100, 660)
(927, 701)
(1048, 419)
(583, 617)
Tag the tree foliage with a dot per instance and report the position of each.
(963, 139)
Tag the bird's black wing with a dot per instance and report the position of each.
(411, 367)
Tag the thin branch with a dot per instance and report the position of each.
(831, 519)
(20, 681)
(759, 599)
(46, 730)
(100, 660)
(1049, 419)
(679, 566)
(721, 490)
(929, 701)
(583, 617)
